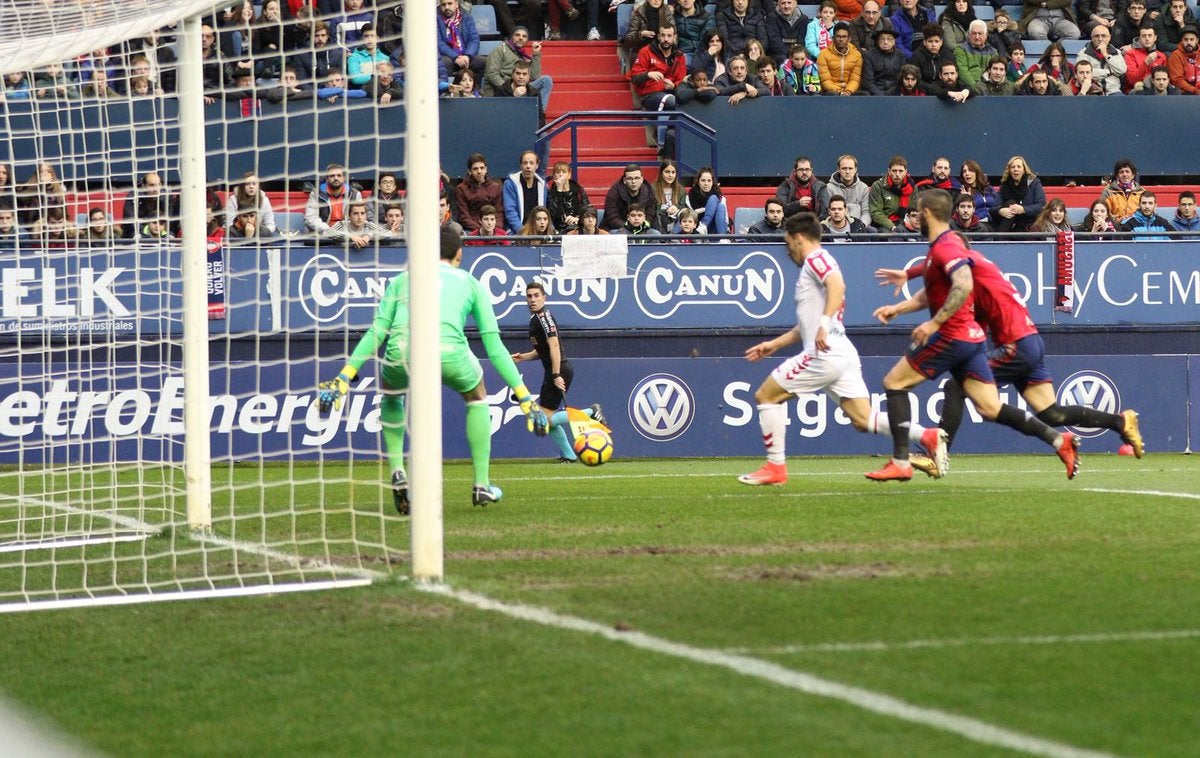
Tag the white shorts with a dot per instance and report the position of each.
(839, 374)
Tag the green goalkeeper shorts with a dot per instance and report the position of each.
(461, 370)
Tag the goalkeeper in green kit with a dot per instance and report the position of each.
(461, 295)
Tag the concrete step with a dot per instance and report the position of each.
(604, 138)
(603, 100)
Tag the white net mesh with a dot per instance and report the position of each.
(92, 480)
(41, 32)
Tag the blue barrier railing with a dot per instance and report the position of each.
(684, 124)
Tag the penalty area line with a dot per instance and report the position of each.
(869, 700)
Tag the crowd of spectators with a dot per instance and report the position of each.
(527, 202)
(902, 49)
(288, 50)
(336, 50)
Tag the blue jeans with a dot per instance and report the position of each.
(716, 216)
(543, 84)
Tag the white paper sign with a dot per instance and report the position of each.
(594, 256)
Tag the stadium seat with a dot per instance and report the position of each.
(81, 220)
(938, 10)
(1073, 46)
(985, 12)
(744, 217)
(485, 21)
(812, 11)
(1075, 215)
(488, 45)
(1034, 49)
(290, 222)
(711, 9)
(1013, 11)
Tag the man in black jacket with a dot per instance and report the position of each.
(881, 64)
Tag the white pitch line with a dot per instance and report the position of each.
(167, 597)
(768, 493)
(793, 474)
(869, 700)
(67, 542)
(298, 562)
(126, 521)
(933, 644)
(1148, 493)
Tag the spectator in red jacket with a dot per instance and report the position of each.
(1141, 58)
(659, 68)
(476, 191)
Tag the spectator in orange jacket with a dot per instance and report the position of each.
(1184, 63)
(840, 65)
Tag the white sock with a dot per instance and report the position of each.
(773, 420)
(877, 423)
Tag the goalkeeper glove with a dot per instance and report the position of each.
(330, 393)
(535, 417)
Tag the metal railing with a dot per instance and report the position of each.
(683, 124)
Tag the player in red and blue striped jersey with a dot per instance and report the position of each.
(951, 340)
(1017, 357)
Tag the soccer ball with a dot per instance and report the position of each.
(593, 447)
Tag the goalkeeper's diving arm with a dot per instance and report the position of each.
(535, 417)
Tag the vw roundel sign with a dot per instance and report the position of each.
(661, 407)
(1093, 389)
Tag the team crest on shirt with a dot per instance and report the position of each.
(1092, 389)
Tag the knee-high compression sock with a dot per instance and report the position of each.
(479, 439)
(392, 417)
(899, 421)
(772, 419)
(1080, 415)
(953, 405)
(1025, 423)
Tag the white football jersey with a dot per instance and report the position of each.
(810, 304)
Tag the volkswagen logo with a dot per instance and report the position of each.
(1093, 389)
(661, 407)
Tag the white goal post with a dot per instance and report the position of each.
(158, 431)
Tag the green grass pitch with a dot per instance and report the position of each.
(1065, 611)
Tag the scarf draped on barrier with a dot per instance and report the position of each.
(1064, 272)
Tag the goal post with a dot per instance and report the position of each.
(160, 354)
(192, 193)
(426, 391)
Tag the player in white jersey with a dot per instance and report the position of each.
(828, 360)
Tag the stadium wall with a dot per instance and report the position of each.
(667, 287)
(657, 407)
(126, 139)
(1059, 136)
(298, 326)
(298, 140)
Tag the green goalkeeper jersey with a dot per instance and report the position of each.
(460, 295)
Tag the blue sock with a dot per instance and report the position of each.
(558, 418)
(559, 435)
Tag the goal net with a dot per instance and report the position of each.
(168, 307)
